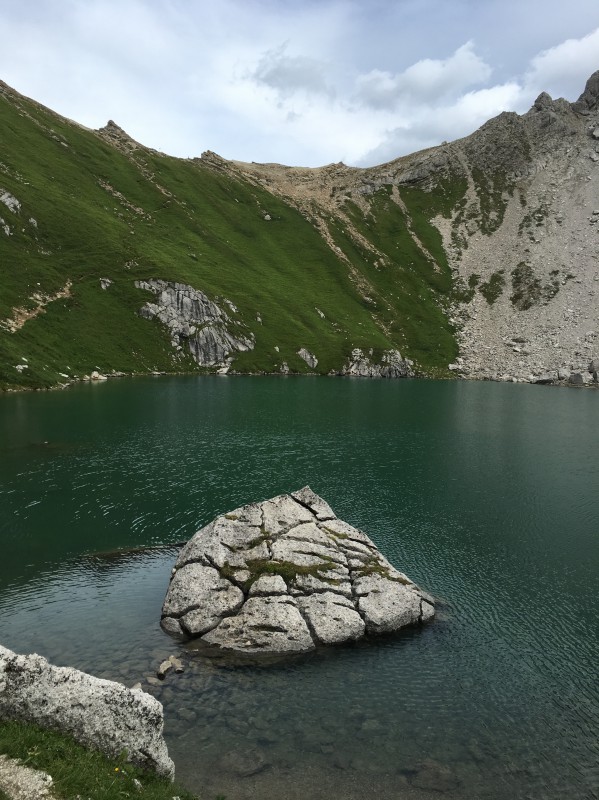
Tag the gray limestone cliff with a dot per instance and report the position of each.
(195, 321)
(362, 365)
(284, 576)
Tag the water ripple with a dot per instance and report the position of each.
(459, 485)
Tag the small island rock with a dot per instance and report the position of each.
(284, 576)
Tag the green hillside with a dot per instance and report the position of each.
(90, 210)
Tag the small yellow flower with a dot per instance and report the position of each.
(116, 769)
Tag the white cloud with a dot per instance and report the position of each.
(289, 74)
(385, 115)
(425, 126)
(428, 80)
(477, 107)
(428, 97)
(562, 70)
(359, 82)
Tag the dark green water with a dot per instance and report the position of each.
(485, 494)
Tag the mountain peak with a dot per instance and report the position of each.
(114, 134)
(543, 102)
(589, 99)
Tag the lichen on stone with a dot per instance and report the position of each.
(286, 575)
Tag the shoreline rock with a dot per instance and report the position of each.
(196, 323)
(98, 713)
(361, 365)
(20, 782)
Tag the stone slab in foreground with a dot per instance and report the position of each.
(284, 576)
(100, 714)
(19, 782)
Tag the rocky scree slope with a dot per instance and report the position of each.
(475, 258)
(511, 211)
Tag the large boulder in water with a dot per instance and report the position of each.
(285, 576)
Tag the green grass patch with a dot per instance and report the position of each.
(288, 570)
(492, 289)
(89, 211)
(209, 231)
(410, 288)
(528, 290)
(533, 219)
(492, 191)
(372, 566)
(77, 771)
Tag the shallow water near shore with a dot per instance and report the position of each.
(485, 494)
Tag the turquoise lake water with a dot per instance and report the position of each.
(485, 494)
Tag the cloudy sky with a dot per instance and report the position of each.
(300, 82)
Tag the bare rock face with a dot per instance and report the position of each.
(98, 713)
(116, 136)
(193, 319)
(308, 357)
(589, 99)
(284, 576)
(10, 201)
(392, 365)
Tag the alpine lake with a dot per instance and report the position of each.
(485, 494)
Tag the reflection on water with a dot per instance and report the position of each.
(460, 485)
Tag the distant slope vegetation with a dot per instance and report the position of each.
(414, 256)
(94, 206)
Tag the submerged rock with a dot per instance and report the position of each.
(284, 576)
(432, 776)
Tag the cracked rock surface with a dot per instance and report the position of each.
(97, 713)
(197, 322)
(286, 575)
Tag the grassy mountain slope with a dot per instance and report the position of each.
(479, 254)
(98, 206)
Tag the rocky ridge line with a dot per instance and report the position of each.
(284, 576)
(527, 225)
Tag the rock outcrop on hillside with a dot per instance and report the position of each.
(392, 365)
(284, 576)
(196, 322)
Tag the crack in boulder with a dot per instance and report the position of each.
(293, 577)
